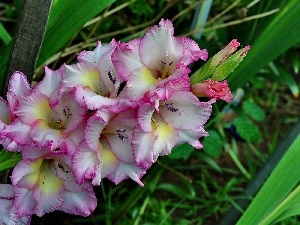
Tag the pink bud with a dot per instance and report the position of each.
(225, 52)
(213, 89)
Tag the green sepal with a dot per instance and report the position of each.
(203, 73)
(228, 66)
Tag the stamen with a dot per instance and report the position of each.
(67, 113)
(60, 166)
(122, 136)
(113, 80)
(170, 107)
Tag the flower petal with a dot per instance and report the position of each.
(84, 74)
(166, 138)
(34, 107)
(127, 170)
(126, 58)
(145, 114)
(49, 192)
(84, 163)
(18, 84)
(159, 47)
(141, 81)
(81, 203)
(95, 125)
(44, 136)
(50, 82)
(24, 203)
(4, 115)
(184, 111)
(16, 131)
(192, 137)
(7, 216)
(192, 51)
(142, 147)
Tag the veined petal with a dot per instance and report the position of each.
(81, 203)
(125, 171)
(184, 111)
(95, 55)
(16, 131)
(49, 192)
(192, 137)
(18, 84)
(34, 107)
(85, 163)
(75, 137)
(7, 216)
(68, 112)
(24, 203)
(126, 58)
(95, 125)
(84, 74)
(145, 114)
(166, 138)
(109, 162)
(25, 167)
(44, 136)
(110, 77)
(4, 115)
(141, 81)
(192, 52)
(142, 147)
(94, 102)
(118, 133)
(50, 82)
(159, 48)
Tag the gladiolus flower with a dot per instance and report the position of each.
(106, 151)
(144, 63)
(46, 183)
(177, 120)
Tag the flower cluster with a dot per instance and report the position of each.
(110, 115)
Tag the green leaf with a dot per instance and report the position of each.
(66, 18)
(212, 144)
(294, 55)
(4, 35)
(182, 151)
(186, 190)
(274, 201)
(208, 160)
(279, 35)
(247, 129)
(10, 163)
(253, 110)
(287, 79)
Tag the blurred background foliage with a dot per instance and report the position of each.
(189, 186)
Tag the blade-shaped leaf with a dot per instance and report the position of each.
(4, 35)
(280, 183)
(278, 36)
(66, 18)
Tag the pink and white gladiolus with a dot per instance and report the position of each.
(110, 115)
